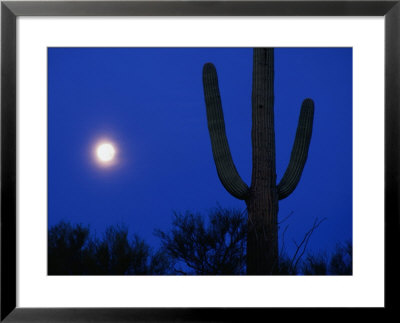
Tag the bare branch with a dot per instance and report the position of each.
(286, 217)
(304, 243)
(283, 240)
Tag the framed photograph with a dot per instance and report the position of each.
(198, 161)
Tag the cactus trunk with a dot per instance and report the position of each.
(262, 204)
(262, 236)
(263, 195)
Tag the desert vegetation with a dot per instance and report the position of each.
(194, 245)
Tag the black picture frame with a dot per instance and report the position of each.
(10, 10)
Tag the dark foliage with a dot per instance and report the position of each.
(217, 247)
(315, 265)
(72, 251)
(195, 245)
(340, 262)
(67, 249)
(286, 266)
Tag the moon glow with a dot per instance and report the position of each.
(105, 153)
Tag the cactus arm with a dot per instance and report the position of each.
(299, 153)
(226, 169)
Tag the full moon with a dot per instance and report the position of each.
(105, 152)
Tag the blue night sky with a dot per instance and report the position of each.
(149, 102)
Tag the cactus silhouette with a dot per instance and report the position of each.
(262, 196)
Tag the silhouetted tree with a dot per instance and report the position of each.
(72, 251)
(66, 249)
(116, 255)
(341, 262)
(338, 263)
(192, 246)
(217, 247)
(286, 265)
(315, 265)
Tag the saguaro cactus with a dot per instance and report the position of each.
(263, 194)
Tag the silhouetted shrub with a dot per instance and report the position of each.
(195, 245)
(66, 249)
(338, 263)
(286, 266)
(72, 251)
(315, 265)
(341, 262)
(216, 247)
